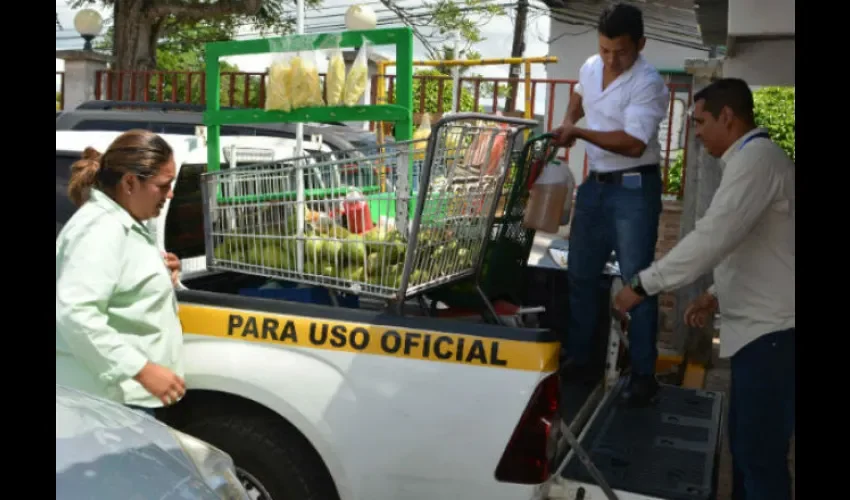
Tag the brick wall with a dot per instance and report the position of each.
(668, 235)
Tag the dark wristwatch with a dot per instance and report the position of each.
(637, 286)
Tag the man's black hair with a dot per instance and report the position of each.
(731, 92)
(621, 19)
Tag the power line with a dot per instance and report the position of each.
(339, 25)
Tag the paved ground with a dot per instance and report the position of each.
(717, 379)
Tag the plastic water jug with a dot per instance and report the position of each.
(546, 198)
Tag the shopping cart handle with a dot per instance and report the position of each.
(522, 122)
(545, 135)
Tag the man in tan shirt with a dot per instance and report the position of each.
(747, 237)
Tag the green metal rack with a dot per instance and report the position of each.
(401, 112)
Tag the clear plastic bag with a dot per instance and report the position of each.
(358, 76)
(279, 86)
(488, 146)
(306, 85)
(335, 80)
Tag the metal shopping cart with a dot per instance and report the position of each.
(363, 228)
(500, 276)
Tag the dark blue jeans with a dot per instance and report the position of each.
(761, 417)
(624, 219)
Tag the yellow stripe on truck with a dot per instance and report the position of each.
(333, 335)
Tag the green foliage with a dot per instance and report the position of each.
(185, 53)
(449, 15)
(774, 110)
(182, 28)
(486, 89)
(432, 90)
(169, 18)
(182, 54)
(272, 16)
(674, 174)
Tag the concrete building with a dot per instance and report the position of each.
(759, 37)
(673, 37)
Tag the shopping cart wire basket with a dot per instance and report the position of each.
(500, 276)
(351, 220)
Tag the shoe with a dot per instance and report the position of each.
(641, 391)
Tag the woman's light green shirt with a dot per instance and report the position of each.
(115, 304)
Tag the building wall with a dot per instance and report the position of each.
(572, 45)
(761, 17)
(762, 62)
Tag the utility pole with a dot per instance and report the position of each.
(517, 50)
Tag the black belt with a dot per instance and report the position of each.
(617, 177)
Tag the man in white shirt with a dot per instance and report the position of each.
(623, 99)
(747, 237)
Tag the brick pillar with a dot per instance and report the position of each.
(80, 69)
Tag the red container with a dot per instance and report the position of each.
(358, 215)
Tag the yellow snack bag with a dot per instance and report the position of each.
(358, 76)
(306, 85)
(335, 80)
(420, 136)
(279, 87)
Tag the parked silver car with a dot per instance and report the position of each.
(105, 450)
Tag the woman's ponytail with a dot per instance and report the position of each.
(84, 176)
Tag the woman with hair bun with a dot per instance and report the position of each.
(117, 330)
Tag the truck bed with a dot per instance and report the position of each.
(669, 450)
(231, 283)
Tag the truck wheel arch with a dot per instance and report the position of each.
(221, 401)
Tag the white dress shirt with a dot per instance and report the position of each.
(747, 236)
(636, 102)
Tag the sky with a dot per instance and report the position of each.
(498, 34)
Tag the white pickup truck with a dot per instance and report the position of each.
(333, 403)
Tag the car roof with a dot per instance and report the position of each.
(187, 149)
(104, 449)
(339, 135)
(79, 140)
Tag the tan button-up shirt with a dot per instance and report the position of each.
(747, 237)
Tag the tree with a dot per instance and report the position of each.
(139, 25)
(486, 89)
(182, 54)
(774, 110)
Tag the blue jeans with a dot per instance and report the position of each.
(761, 417)
(610, 216)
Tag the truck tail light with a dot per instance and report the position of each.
(530, 454)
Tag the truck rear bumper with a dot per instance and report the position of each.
(565, 489)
